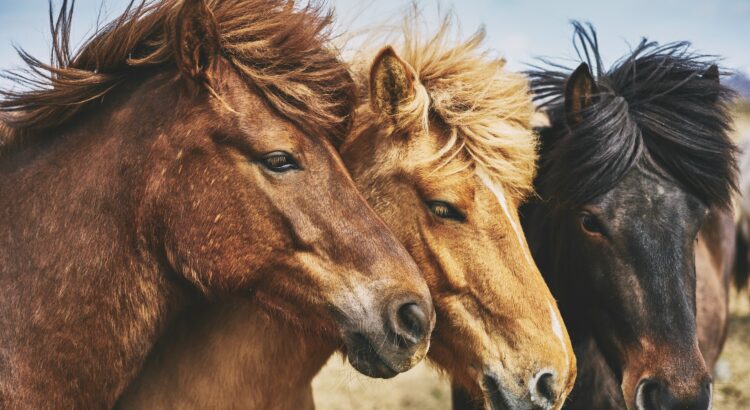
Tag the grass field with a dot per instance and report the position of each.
(338, 387)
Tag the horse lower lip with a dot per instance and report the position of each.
(366, 353)
(378, 363)
(383, 368)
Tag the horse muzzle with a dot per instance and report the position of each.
(394, 343)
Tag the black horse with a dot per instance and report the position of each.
(636, 177)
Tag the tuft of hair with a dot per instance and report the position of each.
(278, 48)
(653, 108)
(487, 109)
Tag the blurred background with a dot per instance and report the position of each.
(521, 31)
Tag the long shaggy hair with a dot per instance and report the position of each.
(653, 108)
(487, 109)
(279, 49)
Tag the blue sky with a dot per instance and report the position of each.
(519, 30)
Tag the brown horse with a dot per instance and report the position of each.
(444, 152)
(186, 152)
(742, 261)
(634, 233)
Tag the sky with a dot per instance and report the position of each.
(520, 31)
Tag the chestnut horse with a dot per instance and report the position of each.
(634, 229)
(184, 153)
(444, 152)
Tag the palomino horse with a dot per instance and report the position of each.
(637, 173)
(444, 152)
(181, 154)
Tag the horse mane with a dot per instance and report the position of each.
(653, 108)
(279, 49)
(487, 109)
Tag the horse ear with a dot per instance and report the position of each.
(580, 92)
(391, 82)
(196, 39)
(712, 73)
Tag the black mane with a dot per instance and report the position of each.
(654, 108)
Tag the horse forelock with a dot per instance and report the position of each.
(486, 109)
(653, 108)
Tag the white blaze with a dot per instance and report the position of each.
(498, 192)
(557, 327)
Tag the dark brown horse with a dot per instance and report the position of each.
(634, 232)
(187, 151)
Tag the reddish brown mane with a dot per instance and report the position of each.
(254, 36)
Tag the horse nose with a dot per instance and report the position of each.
(410, 323)
(544, 394)
(657, 395)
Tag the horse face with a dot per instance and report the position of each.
(639, 253)
(255, 204)
(499, 331)
(250, 203)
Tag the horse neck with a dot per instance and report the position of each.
(71, 263)
(552, 251)
(596, 387)
(558, 260)
(229, 354)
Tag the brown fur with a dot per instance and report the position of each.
(714, 256)
(247, 360)
(494, 310)
(155, 198)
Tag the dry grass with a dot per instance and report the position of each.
(339, 387)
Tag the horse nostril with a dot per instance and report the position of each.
(543, 389)
(648, 395)
(412, 323)
(657, 395)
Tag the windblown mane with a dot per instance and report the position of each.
(487, 109)
(279, 49)
(654, 108)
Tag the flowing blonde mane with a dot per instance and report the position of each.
(279, 49)
(487, 108)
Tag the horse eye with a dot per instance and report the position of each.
(445, 210)
(279, 161)
(590, 224)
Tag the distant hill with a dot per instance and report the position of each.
(740, 83)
